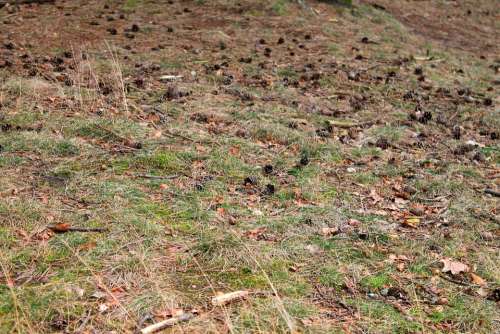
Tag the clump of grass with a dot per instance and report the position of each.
(279, 7)
(376, 282)
(163, 161)
(131, 5)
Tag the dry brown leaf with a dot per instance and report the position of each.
(60, 227)
(411, 222)
(255, 233)
(354, 222)
(375, 197)
(234, 150)
(477, 279)
(454, 267)
(330, 231)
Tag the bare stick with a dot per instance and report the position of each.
(492, 192)
(63, 228)
(158, 177)
(167, 323)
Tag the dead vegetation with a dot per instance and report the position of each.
(253, 166)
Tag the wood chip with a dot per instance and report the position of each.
(229, 297)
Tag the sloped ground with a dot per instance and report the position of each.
(331, 160)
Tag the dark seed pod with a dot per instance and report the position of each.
(456, 132)
(268, 169)
(250, 181)
(269, 190)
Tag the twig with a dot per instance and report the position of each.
(83, 322)
(452, 280)
(167, 323)
(173, 134)
(492, 192)
(88, 229)
(158, 177)
(63, 228)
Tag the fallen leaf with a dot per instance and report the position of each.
(375, 197)
(454, 267)
(60, 227)
(411, 222)
(330, 231)
(477, 279)
(87, 246)
(354, 222)
(255, 233)
(234, 150)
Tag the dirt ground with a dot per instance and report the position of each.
(337, 162)
(465, 25)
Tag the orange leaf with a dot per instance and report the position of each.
(477, 279)
(60, 227)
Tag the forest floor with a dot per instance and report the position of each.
(340, 163)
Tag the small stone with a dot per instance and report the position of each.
(353, 76)
(487, 236)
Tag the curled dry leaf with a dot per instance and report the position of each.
(60, 227)
(476, 279)
(454, 267)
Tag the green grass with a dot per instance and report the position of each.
(170, 189)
